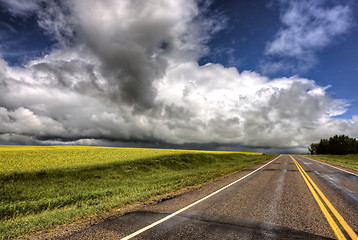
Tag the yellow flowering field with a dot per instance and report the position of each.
(36, 158)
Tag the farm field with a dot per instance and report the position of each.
(349, 161)
(45, 186)
(37, 158)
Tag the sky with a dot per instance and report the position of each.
(267, 76)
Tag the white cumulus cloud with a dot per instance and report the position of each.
(126, 73)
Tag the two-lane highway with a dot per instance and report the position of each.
(291, 197)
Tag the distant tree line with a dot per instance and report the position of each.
(337, 145)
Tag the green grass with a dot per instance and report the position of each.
(349, 161)
(91, 180)
(15, 158)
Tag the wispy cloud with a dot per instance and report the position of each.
(307, 27)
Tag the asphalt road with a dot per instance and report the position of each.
(285, 199)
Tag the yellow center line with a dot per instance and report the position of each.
(324, 210)
(344, 224)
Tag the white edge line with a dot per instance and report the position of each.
(193, 204)
(331, 166)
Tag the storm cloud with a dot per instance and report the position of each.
(125, 73)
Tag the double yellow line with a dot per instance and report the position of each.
(314, 190)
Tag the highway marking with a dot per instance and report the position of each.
(329, 218)
(332, 166)
(314, 188)
(348, 229)
(193, 204)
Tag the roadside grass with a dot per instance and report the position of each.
(39, 199)
(349, 161)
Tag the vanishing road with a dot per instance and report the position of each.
(290, 197)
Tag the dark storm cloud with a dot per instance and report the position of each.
(125, 73)
(132, 42)
(136, 41)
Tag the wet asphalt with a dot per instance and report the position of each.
(272, 203)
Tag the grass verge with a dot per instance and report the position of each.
(36, 200)
(348, 161)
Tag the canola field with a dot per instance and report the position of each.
(44, 186)
(19, 159)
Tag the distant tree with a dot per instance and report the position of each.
(337, 145)
(313, 148)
